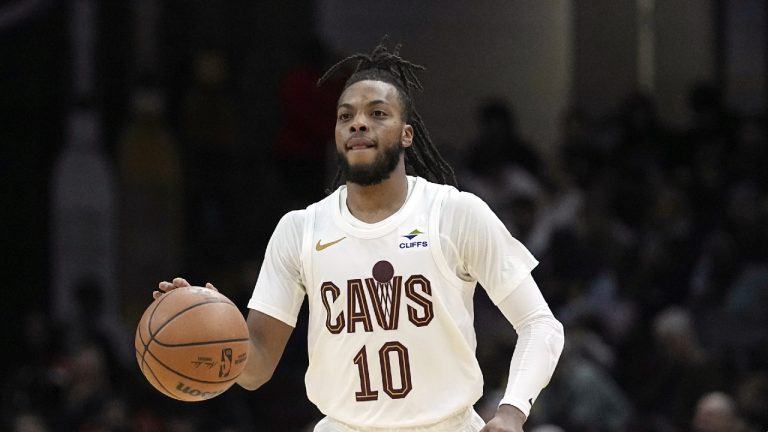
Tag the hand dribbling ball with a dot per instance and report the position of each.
(192, 343)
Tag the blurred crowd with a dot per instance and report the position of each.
(652, 245)
(654, 255)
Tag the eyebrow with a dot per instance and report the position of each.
(371, 103)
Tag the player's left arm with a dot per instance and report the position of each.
(489, 254)
(539, 345)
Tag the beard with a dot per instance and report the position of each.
(371, 173)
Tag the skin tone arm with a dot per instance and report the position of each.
(507, 419)
(269, 337)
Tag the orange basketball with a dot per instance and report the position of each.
(192, 343)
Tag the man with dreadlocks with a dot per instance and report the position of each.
(389, 264)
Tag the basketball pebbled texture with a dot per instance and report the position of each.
(192, 343)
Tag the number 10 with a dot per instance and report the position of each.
(361, 360)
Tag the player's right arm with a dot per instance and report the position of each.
(276, 301)
(269, 337)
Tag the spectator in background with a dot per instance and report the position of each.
(29, 422)
(582, 157)
(752, 397)
(748, 155)
(87, 389)
(92, 325)
(666, 250)
(547, 428)
(304, 136)
(33, 388)
(673, 373)
(745, 316)
(209, 132)
(583, 396)
(208, 112)
(716, 412)
(499, 159)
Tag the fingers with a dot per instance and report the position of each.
(177, 283)
(180, 282)
(165, 286)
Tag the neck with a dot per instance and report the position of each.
(375, 203)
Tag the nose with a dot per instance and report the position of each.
(358, 124)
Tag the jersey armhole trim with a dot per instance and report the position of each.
(436, 240)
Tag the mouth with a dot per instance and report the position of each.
(360, 143)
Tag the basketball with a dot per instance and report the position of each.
(192, 343)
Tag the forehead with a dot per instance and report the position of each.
(366, 91)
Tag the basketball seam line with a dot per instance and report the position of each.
(143, 362)
(149, 333)
(174, 316)
(162, 299)
(199, 343)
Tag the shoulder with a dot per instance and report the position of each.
(290, 228)
(464, 215)
(454, 198)
(457, 204)
(288, 236)
(293, 219)
(465, 204)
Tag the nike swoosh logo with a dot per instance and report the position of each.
(319, 246)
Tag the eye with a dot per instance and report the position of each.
(378, 113)
(344, 116)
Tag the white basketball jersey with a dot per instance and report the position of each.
(391, 338)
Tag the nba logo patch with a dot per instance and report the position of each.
(411, 240)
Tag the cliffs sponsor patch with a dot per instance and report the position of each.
(413, 240)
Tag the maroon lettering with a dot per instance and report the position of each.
(357, 307)
(404, 368)
(386, 300)
(337, 325)
(415, 288)
(365, 393)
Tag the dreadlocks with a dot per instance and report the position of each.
(422, 157)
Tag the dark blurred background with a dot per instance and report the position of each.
(623, 141)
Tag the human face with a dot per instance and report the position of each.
(370, 132)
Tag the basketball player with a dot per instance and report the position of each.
(389, 264)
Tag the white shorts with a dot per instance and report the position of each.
(466, 421)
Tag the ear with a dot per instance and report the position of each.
(406, 137)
